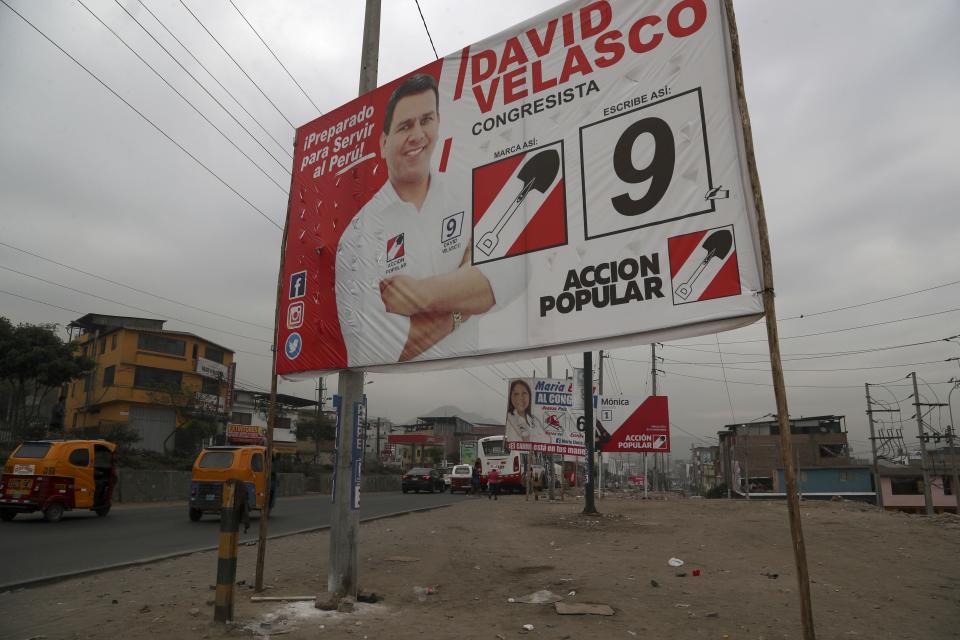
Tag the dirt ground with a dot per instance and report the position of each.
(873, 576)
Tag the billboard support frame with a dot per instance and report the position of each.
(773, 338)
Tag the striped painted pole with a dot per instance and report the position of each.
(227, 555)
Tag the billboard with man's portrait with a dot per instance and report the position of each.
(576, 180)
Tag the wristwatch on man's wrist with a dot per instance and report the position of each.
(457, 320)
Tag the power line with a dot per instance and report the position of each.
(184, 98)
(214, 78)
(864, 304)
(812, 356)
(424, 20)
(862, 326)
(275, 57)
(132, 288)
(207, 91)
(130, 306)
(238, 65)
(55, 306)
(48, 304)
(714, 364)
(148, 120)
(480, 380)
(726, 384)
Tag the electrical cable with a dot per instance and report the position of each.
(262, 41)
(214, 78)
(480, 380)
(726, 384)
(285, 168)
(810, 356)
(222, 48)
(126, 286)
(148, 120)
(864, 304)
(17, 295)
(130, 306)
(424, 20)
(185, 99)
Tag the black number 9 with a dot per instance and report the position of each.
(451, 227)
(659, 172)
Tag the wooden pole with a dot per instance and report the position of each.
(773, 339)
(589, 505)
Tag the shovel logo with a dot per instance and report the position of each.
(703, 265)
(519, 204)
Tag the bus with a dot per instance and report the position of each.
(493, 453)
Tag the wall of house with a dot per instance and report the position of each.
(900, 501)
(826, 480)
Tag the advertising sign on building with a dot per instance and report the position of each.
(246, 434)
(540, 417)
(579, 179)
(633, 425)
(211, 369)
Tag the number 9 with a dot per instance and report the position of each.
(451, 227)
(659, 172)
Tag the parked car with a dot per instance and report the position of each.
(460, 478)
(422, 479)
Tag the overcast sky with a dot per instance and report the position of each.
(853, 106)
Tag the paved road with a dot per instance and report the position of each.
(33, 549)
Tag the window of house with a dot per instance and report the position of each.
(87, 382)
(108, 375)
(211, 387)
(80, 458)
(256, 462)
(947, 485)
(195, 351)
(161, 344)
(282, 423)
(212, 353)
(103, 346)
(911, 486)
(73, 390)
(113, 342)
(238, 417)
(844, 476)
(151, 378)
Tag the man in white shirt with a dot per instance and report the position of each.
(404, 279)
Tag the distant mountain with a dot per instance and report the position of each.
(451, 410)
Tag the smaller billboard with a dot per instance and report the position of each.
(631, 425)
(540, 416)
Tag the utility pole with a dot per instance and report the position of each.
(873, 445)
(653, 392)
(345, 522)
(589, 505)
(600, 469)
(951, 435)
(927, 497)
(551, 472)
(377, 452)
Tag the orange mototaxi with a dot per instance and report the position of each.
(215, 465)
(54, 476)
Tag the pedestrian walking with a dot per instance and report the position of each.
(493, 484)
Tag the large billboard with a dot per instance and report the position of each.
(576, 181)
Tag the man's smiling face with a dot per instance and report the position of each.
(408, 145)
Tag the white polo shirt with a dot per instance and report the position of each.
(389, 237)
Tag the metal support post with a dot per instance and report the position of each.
(927, 496)
(589, 505)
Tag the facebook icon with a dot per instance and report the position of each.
(298, 285)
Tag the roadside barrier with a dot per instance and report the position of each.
(234, 510)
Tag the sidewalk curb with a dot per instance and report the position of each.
(37, 582)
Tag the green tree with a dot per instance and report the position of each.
(322, 428)
(34, 361)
